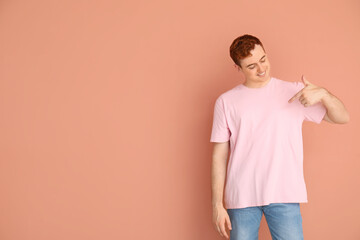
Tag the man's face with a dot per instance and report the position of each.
(254, 65)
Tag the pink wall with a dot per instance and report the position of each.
(106, 112)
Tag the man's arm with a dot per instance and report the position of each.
(312, 94)
(218, 171)
(221, 218)
(336, 111)
(326, 118)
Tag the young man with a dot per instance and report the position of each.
(260, 123)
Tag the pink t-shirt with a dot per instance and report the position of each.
(266, 146)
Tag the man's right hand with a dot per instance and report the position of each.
(220, 220)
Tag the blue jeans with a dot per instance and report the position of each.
(284, 221)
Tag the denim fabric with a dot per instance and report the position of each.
(284, 221)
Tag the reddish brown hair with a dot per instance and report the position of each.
(241, 47)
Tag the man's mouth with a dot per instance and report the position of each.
(262, 74)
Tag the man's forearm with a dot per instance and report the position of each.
(218, 173)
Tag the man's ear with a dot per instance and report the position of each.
(237, 67)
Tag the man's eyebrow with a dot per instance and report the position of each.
(254, 63)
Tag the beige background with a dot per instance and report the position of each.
(106, 113)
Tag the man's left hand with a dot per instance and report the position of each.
(310, 94)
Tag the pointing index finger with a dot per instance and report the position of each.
(298, 94)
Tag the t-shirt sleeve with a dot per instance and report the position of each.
(314, 113)
(220, 129)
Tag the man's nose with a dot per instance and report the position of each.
(260, 69)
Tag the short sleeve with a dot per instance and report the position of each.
(220, 129)
(314, 113)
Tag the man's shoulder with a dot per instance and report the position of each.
(229, 94)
